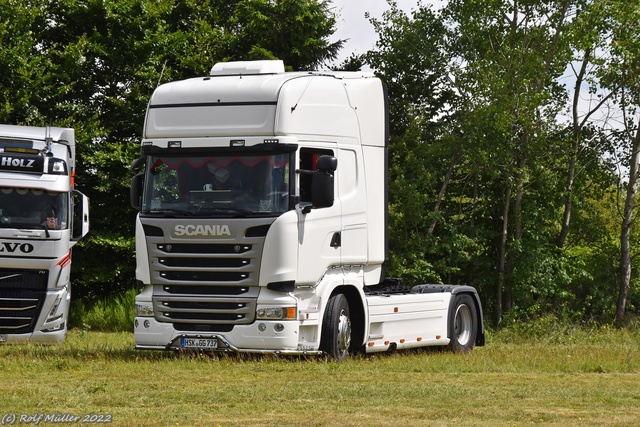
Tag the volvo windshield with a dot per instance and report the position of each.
(220, 185)
(29, 208)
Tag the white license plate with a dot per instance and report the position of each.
(201, 343)
(3, 337)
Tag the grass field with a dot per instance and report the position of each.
(522, 377)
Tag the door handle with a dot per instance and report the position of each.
(336, 240)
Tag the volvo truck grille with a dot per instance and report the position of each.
(22, 294)
(205, 286)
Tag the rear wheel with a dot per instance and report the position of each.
(337, 328)
(463, 324)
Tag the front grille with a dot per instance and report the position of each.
(22, 294)
(203, 285)
(204, 262)
(213, 248)
(196, 327)
(23, 279)
(201, 305)
(203, 276)
(204, 290)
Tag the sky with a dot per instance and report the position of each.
(353, 25)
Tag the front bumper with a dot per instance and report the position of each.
(259, 337)
(51, 324)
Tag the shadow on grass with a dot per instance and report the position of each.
(89, 346)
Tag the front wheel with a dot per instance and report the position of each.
(463, 324)
(337, 328)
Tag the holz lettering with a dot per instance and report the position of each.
(25, 248)
(16, 163)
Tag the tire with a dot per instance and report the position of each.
(337, 329)
(463, 324)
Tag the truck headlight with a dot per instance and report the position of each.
(54, 307)
(276, 313)
(144, 309)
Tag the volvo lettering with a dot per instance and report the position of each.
(25, 248)
(41, 217)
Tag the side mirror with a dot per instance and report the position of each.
(135, 193)
(137, 164)
(322, 189)
(322, 183)
(327, 164)
(80, 216)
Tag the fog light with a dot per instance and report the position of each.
(135, 323)
(55, 328)
(146, 324)
(279, 327)
(262, 327)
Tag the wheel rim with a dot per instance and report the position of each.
(344, 333)
(463, 324)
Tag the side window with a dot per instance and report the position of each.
(308, 161)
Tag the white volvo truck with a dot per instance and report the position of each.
(263, 221)
(37, 223)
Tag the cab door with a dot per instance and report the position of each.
(319, 230)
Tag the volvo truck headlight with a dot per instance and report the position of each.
(275, 313)
(54, 308)
(144, 309)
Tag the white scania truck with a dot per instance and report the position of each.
(37, 223)
(263, 221)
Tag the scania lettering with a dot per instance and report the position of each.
(41, 217)
(202, 230)
(262, 224)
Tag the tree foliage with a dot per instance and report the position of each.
(514, 129)
(93, 64)
(490, 161)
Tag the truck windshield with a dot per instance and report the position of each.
(29, 208)
(217, 185)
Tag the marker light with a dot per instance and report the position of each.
(21, 150)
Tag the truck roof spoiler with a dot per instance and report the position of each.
(235, 68)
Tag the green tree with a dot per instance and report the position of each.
(484, 168)
(622, 75)
(411, 57)
(605, 34)
(93, 65)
